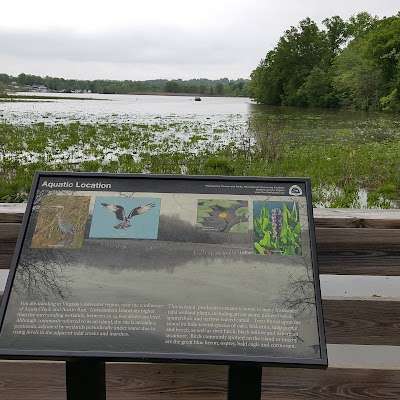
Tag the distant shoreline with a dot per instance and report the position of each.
(46, 96)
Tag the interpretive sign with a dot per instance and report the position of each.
(165, 267)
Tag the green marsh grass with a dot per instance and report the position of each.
(338, 168)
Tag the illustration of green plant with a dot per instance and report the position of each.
(223, 215)
(277, 230)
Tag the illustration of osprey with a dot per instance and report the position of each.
(121, 216)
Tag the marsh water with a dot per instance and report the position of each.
(217, 120)
(222, 113)
(146, 109)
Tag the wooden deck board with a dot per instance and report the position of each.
(371, 322)
(9, 232)
(323, 217)
(350, 251)
(32, 380)
(12, 212)
(361, 242)
(46, 381)
(354, 218)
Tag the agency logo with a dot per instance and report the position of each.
(295, 190)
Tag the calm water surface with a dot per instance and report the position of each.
(221, 113)
(126, 109)
(218, 120)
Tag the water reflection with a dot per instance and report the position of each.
(120, 109)
(167, 124)
(299, 125)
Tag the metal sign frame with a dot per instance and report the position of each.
(213, 192)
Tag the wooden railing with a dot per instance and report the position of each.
(362, 329)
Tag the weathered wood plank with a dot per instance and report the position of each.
(340, 251)
(32, 380)
(374, 321)
(166, 381)
(355, 251)
(326, 237)
(323, 217)
(354, 218)
(12, 212)
(370, 322)
(8, 238)
(9, 232)
(332, 384)
(384, 261)
(7, 247)
(5, 257)
(46, 381)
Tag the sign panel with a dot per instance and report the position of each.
(161, 268)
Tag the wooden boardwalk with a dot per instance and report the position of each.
(364, 243)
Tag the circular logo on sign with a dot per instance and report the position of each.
(295, 190)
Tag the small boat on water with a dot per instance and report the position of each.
(197, 99)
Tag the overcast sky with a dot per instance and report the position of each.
(152, 39)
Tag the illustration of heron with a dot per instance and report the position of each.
(121, 216)
(66, 229)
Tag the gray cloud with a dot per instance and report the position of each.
(154, 46)
(228, 40)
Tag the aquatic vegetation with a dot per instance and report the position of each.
(229, 216)
(219, 166)
(352, 160)
(277, 229)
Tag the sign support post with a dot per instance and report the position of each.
(85, 379)
(244, 382)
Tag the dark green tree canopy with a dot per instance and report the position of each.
(354, 63)
(219, 87)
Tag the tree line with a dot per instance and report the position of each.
(353, 63)
(206, 87)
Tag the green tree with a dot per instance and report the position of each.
(219, 89)
(23, 79)
(359, 25)
(279, 77)
(4, 78)
(203, 89)
(355, 63)
(318, 90)
(357, 80)
(264, 86)
(337, 33)
(382, 46)
(367, 72)
(172, 87)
